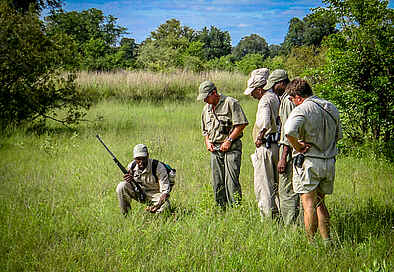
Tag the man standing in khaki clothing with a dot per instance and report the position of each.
(222, 124)
(313, 129)
(156, 190)
(289, 200)
(265, 136)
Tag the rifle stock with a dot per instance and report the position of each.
(136, 187)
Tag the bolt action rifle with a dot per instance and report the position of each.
(136, 187)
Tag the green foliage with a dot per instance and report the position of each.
(309, 31)
(225, 63)
(173, 46)
(172, 30)
(305, 61)
(96, 37)
(253, 44)
(166, 47)
(249, 63)
(277, 62)
(273, 50)
(358, 75)
(154, 57)
(294, 36)
(32, 86)
(36, 5)
(192, 57)
(217, 43)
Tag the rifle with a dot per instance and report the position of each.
(136, 187)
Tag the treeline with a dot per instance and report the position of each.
(98, 43)
(345, 50)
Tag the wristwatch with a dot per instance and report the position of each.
(229, 139)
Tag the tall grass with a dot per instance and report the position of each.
(151, 86)
(59, 210)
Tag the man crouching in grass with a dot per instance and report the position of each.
(152, 179)
(313, 129)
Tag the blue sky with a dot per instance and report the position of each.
(269, 19)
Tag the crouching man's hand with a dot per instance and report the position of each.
(154, 208)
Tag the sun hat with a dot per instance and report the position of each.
(258, 78)
(276, 76)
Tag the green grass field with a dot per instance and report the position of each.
(59, 210)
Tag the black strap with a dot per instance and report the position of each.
(154, 169)
(137, 188)
(335, 120)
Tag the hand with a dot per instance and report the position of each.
(128, 177)
(225, 146)
(281, 166)
(303, 147)
(210, 146)
(152, 208)
(259, 142)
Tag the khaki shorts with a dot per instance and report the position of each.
(314, 174)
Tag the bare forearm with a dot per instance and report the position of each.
(300, 146)
(237, 131)
(286, 151)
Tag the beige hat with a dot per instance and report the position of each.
(276, 76)
(140, 150)
(205, 88)
(258, 78)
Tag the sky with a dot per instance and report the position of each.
(268, 19)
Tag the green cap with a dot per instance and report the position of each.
(205, 88)
(276, 76)
(140, 150)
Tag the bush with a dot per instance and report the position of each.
(249, 63)
(33, 87)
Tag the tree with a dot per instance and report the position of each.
(249, 63)
(318, 25)
(359, 70)
(305, 61)
(165, 47)
(37, 5)
(273, 50)
(172, 29)
(33, 87)
(253, 44)
(85, 25)
(294, 36)
(309, 31)
(225, 63)
(217, 43)
(90, 30)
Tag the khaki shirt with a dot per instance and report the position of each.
(267, 114)
(286, 106)
(219, 123)
(310, 123)
(148, 182)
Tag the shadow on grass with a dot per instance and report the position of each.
(370, 218)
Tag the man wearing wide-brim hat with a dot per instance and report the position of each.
(290, 207)
(222, 125)
(265, 136)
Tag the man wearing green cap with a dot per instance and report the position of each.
(265, 136)
(222, 124)
(289, 200)
(154, 183)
